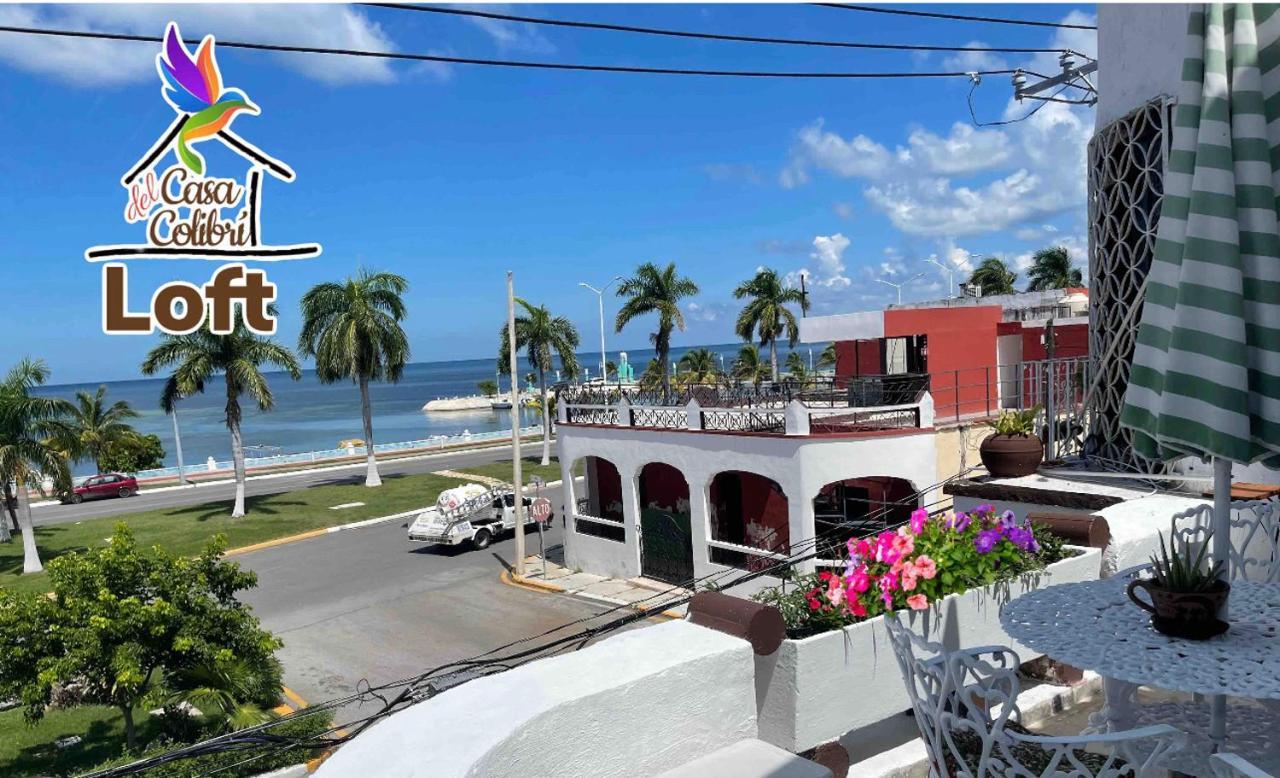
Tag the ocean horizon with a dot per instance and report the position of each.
(311, 416)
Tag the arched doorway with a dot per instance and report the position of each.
(666, 540)
(598, 506)
(861, 505)
(751, 511)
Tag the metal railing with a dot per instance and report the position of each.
(868, 420)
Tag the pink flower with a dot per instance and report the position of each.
(834, 592)
(917, 602)
(859, 581)
(857, 608)
(863, 549)
(925, 567)
(904, 544)
(888, 582)
(909, 575)
(918, 518)
(888, 599)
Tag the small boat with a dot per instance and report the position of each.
(500, 405)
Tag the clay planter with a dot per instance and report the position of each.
(1011, 456)
(1182, 614)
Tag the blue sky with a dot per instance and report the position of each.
(450, 175)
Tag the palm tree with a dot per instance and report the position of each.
(747, 366)
(652, 376)
(27, 453)
(353, 331)
(797, 369)
(656, 290)
(699, 366)
(1051, 269)
(239, 356)
(828, 357)
(767, 313)
(222, 690)
(93, 426)
(542, 335)
(994, 276)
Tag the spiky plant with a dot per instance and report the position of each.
(1178, 571)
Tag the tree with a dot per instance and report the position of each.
(700, 366)
(353, 331)
(652, 376)
(238, 356)
(29, 425)
(542, 336)
(132, 453)
(230, 693)
(1051, 269)
(93, 426)
(994, 276)
(767, 314)
(747, 366)
(828, 357)
(121, 619)
(797, 368)
(656, 290)
(488, 387)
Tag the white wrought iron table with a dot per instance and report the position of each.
(1094, 626)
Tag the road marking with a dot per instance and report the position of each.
(294, 697)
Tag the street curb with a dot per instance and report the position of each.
(315, 533)
(544, 587)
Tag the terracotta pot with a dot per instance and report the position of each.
(1011, 456)
(1180, 613)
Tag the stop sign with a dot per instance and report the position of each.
(540, 509)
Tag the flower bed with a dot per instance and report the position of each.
(836, 672)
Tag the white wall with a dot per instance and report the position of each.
(842, 326)
(633, 705)
(800, 465)
(1140, 52)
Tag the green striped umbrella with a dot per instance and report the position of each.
(1206, 366)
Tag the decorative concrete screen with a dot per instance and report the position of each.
(1126, 184)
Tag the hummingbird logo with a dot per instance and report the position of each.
(192, 85)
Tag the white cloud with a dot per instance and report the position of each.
(705, 311)
(97, 62)
(974, 60)
(513, 36)
(964, 150)
(857, 157)
(828, 260)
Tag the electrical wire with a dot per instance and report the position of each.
(954, 17)
(973, 116)
(700, 35)
(535, 65)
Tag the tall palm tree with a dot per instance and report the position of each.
(747, 366)
(797, 368)
(239, 356)
(767, 315)
(828, 357)
(542, 336)
(27, 452)
(1051, 269)
(699, 366)
(651, 377)
(656, 290)
(94, 426)
(353, 331)
(994, 276)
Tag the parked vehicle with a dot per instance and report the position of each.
(468, 515)
(102, 486)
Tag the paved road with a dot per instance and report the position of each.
(192, 495)
(368, 604)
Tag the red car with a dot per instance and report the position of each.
(106, 485)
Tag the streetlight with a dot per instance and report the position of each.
(950, 271)
(604, 359)
(904, 283)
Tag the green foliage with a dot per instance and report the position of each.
(828, 357)
(656, 290)
(488, 387)
(1020, 423)
(748, 367)
(93, 427)
(131, 453)
(699, 366)
(766, 313)
(994, 276)
(1051, 268)
(353, 328)
(797, 368)
(121, 619)
(1177, 570)
(544, 338)
(230, 693)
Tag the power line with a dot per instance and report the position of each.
(954, 17)
(700, 35)
(508, 63)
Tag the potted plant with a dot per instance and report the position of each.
(1185, 597)
(1014, 450)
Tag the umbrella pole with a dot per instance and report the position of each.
(1221, 550)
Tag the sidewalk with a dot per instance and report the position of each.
(642, 594)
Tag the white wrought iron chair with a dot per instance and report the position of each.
(965, 704)
(1254, 555)
(1235, 766)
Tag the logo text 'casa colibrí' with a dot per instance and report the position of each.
(190, 215)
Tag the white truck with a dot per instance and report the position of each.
(470, 513)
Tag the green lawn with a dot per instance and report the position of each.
(530, 466)
(27, 750)
(186, 530)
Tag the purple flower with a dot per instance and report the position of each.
(961, 522)
(1008, 519)
(986, 540)
(985, 508)
(1022, 538)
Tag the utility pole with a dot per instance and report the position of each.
(604, 357)
(950, 271)
(518, 503)
(898, 287)
(177, 445)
